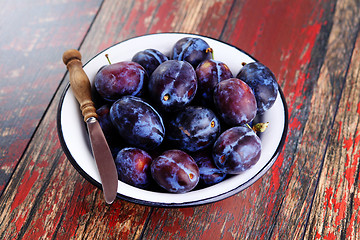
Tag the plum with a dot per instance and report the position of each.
(172, 85)
(263, 83)
(235, 102)
(192, 50)
(193, 129)
(150, 59)
(236, 150)
(120, 79)
(175, 171)
(133, 167)
(137, 122)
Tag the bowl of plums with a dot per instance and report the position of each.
(189, 119)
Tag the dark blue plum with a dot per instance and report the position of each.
(192, 50)
(193, 129)
(98, 100)
(209, 173)
(106, 125)
(235, 102)
(133, 167)
(175, 171)
(119, 79)
(263, 83)
(137, 122)
(110, 132)
(172, 85)
(209, 73)
(236, 150)
(150, 59)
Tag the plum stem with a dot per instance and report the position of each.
(107, 57)
(212, 52)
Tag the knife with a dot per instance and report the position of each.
(80, 85)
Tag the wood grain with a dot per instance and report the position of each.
(50, 199)
(253, 214)
(327, 90)
(311, 192)
(34, 34)
(120, 20)
(335, 214)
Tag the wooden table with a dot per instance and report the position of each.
(312, 190)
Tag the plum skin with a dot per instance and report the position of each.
(192, 50)
(263, 83)
(172, 85)
(209, 173)
(235, 102)
(120, 79)
(133, 167)
(209, 73)
(150, 59)
(137, 122)
(236, 150)
(193, 129)
(175, 171)
(106, 125)
(111, 134)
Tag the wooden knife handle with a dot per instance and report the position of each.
(79, 83)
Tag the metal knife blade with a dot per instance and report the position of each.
(81, 87)
(104, 160)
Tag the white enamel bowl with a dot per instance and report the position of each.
(74, 138)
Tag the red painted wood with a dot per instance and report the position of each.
(269, 30)
(33, 36)
(312, 189)
(48, 198)
(336, 209)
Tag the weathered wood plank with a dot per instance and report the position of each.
(50, 199)
(335, 213)
(272, 36)
(33, 36)
(127, 19)
(40, 186)
(47, 198)
(327, 90)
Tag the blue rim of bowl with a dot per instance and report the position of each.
(213, 199)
